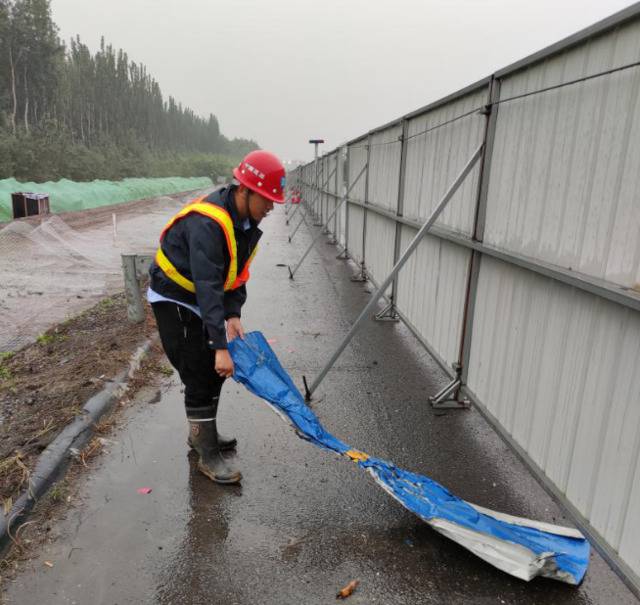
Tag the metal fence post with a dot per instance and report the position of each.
(401, 262)
(334, 239)
(135, 310)
(389, 312)
(344, 255)
(451, 396)
(292, 272)
(318, 213)
(302, 213)
(362, 274)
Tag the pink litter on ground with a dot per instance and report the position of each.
(144, 490)
(272, 340)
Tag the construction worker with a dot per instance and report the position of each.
(198, 283)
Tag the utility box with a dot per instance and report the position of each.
(29, 204)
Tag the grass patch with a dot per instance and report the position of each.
(107, 303)
(5, 374)
(59, 492)
(165, 369)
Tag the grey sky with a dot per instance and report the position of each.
(284, 71)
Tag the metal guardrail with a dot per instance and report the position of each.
(134, 268)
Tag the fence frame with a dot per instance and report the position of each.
(479, 249)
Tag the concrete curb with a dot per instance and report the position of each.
(55, 457)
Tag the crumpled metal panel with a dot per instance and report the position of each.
(521, 547)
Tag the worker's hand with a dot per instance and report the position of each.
(234, 328)
(224, 363)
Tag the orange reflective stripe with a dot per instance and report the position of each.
(181, 214)
(221, 216)
(243, 278)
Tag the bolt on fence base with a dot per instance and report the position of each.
(361, 276)
(448, 398)
(387, 314)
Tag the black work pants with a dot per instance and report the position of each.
(184, 340)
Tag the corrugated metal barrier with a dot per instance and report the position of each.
(527, 288)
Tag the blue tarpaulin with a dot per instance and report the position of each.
(519, 546)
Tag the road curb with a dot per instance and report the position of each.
(55, 457)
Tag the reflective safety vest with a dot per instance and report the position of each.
(220, 216)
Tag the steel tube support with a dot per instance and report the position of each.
(317, 237)
(310, 205)
(399, 212)
(300, 223)
(403, 259)
(293, 213)
(334, 238)
(302, 220)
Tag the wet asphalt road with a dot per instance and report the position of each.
(303, 523)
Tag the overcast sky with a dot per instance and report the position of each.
(284, 71)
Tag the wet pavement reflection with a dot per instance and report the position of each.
(303, 523)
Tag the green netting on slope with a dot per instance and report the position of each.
(67, 195)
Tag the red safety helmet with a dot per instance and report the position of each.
(262, 172)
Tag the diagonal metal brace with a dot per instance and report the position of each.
(310, 206)
(401, 262)
(302, 220)
(335, 211)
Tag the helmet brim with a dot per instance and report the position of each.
(277, 198)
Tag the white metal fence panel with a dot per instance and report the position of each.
(325, 180)
(355, 232)
(557, 367)
(332, 188)
(379, 246)
(384, 168)
(357, 159)
(629, 544)
(341, 216)
(440, 142)
(565, 169)
(431, 292)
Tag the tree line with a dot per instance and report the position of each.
(66, 112)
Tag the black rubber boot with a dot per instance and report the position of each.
(224, 443)
(203, 439)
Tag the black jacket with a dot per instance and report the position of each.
(197, 247)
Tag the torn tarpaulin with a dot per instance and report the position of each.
(519, 546)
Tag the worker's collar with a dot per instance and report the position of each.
(230, 203)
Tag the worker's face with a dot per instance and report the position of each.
(259, 206)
